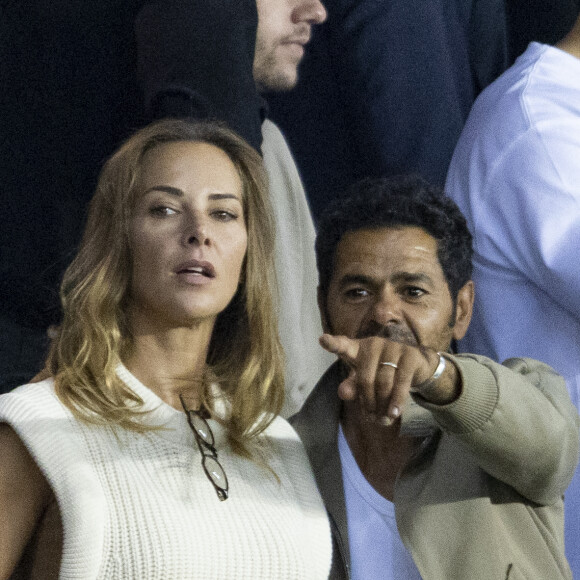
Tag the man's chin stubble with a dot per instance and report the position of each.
(269, 79)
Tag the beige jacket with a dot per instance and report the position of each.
(482, 498)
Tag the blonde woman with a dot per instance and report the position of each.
(154, 450)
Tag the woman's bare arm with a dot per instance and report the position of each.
(24, 496)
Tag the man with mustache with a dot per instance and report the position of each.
(432, 465)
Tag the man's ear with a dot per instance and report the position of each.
(463, 310)
(322, 308)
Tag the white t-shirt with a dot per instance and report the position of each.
(515, 175)
(376, 549)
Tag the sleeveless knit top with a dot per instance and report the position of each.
(139, 506)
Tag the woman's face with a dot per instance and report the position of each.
(188, 235)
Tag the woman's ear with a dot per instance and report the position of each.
(463, 310)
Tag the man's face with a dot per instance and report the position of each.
(284, 28)
(388, 282)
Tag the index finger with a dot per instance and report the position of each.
(345, 348)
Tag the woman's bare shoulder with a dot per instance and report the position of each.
(24, 496)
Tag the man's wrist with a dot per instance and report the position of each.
(444, 386)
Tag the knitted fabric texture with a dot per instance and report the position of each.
(139, 506)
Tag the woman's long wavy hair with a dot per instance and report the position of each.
(245, 355)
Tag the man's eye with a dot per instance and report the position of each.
(355, 293)
(414, 292)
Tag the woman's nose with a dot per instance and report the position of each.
(196, 232)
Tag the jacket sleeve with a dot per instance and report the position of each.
(195, 59)
(518, 420)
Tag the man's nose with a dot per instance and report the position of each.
(387, 308)
(311, 11)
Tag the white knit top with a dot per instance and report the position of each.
(139, 506)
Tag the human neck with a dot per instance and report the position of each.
(571, 42)
(171, 362)
(380, 452)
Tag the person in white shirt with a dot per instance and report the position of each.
(515, 175)
(154, 448)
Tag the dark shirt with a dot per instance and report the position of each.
(386, 88)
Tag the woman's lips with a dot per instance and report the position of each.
(196, 272)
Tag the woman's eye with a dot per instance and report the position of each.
(162, 210)
(224, 215)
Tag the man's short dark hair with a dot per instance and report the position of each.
(405, 200)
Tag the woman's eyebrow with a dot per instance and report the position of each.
(179, 193)
(224, 196)
(165, 189)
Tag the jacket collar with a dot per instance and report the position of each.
(317, 424)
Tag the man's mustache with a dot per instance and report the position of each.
(390, 332)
